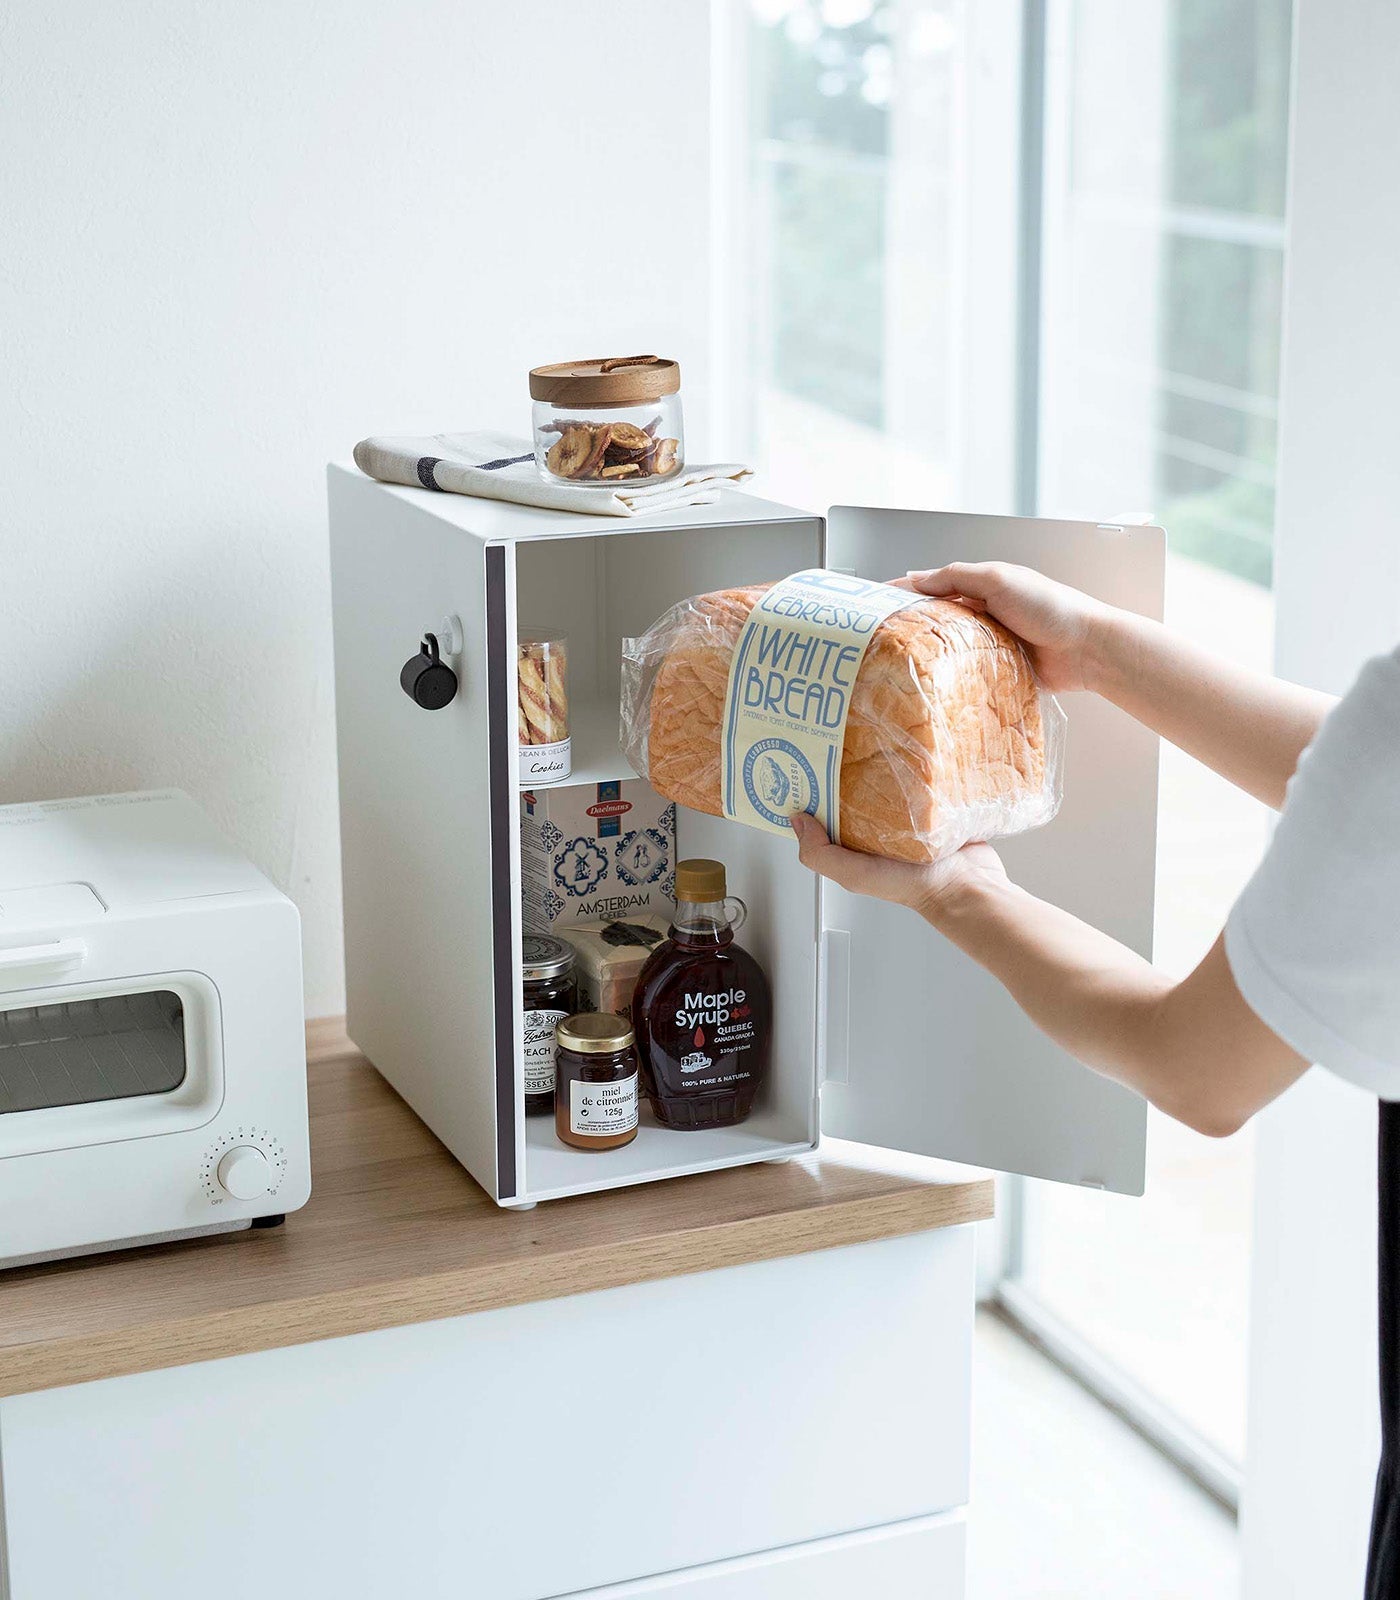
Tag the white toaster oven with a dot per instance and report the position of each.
(152, 1045)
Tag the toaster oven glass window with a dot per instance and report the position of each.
(114, 1047)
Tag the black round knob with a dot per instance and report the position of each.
(427, 679)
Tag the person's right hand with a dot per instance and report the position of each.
(1059, 625)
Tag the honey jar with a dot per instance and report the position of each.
(595, 1100)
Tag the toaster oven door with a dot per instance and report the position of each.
(94, 1062)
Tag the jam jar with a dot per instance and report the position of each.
(595, 1107)
(547, 974)
(610, 421)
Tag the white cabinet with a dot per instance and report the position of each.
(814, 1408)
(920, 1560)
(881, 1032)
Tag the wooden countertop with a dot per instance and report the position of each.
(396, 1232)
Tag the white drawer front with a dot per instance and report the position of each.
(517, 1454)
(922, 1560)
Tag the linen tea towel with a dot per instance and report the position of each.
(497, 466)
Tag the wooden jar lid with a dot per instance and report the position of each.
(606, 381)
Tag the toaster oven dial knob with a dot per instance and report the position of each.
(246, 1173)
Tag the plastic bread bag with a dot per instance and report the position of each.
(912, 726)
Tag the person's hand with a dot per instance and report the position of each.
(927, 888)
(1059, 625)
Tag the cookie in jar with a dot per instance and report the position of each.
(542, 706)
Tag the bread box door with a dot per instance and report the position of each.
(924, 1051)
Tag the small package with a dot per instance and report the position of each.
(596, 852)
(608, 956)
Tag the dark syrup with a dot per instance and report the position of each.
(704, 1023)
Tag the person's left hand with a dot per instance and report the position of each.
(924, 887)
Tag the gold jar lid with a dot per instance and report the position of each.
(594, 1033)
(700, 880)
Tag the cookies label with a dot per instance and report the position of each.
(790, 686)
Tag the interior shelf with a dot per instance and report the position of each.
(597, 753)
(553, 1169)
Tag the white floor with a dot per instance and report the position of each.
(1068, 1503)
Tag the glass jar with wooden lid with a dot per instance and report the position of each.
(595, 1100)
(611, 421)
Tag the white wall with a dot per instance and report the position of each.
(237, 238)
(1313, 1426)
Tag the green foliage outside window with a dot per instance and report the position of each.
(1222, 297)
(820, 175)
(821, 144)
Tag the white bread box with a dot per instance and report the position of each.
(882, 1032)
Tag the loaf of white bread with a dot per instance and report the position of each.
(949, 737)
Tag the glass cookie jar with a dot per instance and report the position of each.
(613, 422)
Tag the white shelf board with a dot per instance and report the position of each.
(597, 753)
(553, 1170)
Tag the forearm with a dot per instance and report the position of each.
(1090, 994)
(1192, 1048)
(1248, 727)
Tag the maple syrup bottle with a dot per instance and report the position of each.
(702, 1011)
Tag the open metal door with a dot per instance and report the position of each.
(925, 1052)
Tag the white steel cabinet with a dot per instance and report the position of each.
(882, 1032)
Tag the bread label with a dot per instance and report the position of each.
(789, 693)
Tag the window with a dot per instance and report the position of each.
(892, 203)
(1166, 132)
(857, 172)
(1163, 243)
